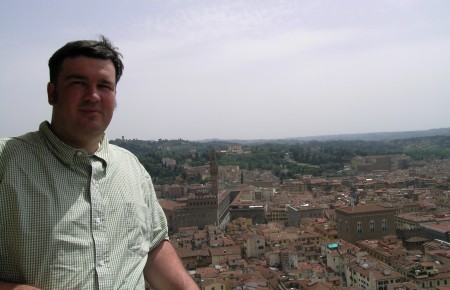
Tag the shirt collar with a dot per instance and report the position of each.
(67, 153)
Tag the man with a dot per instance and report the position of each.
(75, 211)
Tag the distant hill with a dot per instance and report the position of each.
(380, 136)
(315, 155)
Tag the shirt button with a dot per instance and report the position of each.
(102, 263)
(79, 153)
(98, 221)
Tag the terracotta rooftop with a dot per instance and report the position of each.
(221, 251)
(169, 204)
(443, 227)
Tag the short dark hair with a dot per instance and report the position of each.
(103, 49)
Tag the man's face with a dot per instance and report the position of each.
(83, 98)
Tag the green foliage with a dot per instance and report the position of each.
(285, 160)
(260, 158)
(427, 153)
(302, 169)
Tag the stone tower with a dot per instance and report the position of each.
(214, 172)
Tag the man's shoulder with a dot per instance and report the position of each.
(19, 149)
(19, 143)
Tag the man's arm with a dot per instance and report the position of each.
(165, 271)
(12, 286)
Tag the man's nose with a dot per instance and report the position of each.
(92, 93)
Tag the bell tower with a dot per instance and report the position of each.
(214, 172)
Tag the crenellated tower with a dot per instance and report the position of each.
(214, 172)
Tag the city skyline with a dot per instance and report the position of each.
(277, 69)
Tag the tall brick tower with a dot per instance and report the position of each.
(214, 172)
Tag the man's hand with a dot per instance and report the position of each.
(165, 271)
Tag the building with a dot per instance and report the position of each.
(277, 214)
(228, 255)
(364, 222)
(255, 246)
(387, 250)
(340, 254)
(437, 230)
(296, 213)
(204, 206)
(235, 149)
(372, 275)
(295, 185)
(244, 205)
(199, 211)
(382, 162)
(427, 275)
(413, 220)
(169, 162)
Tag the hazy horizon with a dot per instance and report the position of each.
(255, 69)
(346, 136)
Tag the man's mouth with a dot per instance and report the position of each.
(90, 110)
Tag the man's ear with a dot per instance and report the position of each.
(51, 93)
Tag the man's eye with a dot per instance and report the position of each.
(106, 87)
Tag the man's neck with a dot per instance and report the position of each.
(89, 144)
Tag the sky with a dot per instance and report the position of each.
(240, 69)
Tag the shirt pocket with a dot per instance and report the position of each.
(139, 231)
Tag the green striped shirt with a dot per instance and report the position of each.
(70, 220)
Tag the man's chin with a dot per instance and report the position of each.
(93, 130)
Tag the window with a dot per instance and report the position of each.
(384, 225)
(359, 227)
(372, 226)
